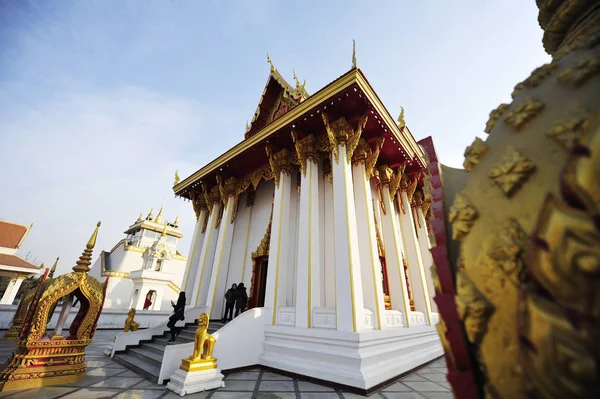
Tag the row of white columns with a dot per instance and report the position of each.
(357, 269)
(11, 290)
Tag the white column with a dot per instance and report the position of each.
(207, 255)
(416, 270)
(348, 287)
(308, 289)
(393, 245)
(191, 269)
(11, 290)
(275, 293)
(367, 238)
(222, 252)
(424, 246)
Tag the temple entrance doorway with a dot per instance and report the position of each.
(260, 265)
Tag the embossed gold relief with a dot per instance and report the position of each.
(567, 133)
(540, 74)
(512, 171)
(494, 115)
(568, 263)
(411, 187)
(42, 360)
(506, 250)
(361, 152)
(473, 308)
(462, 215)
(580, 73)
(517, 90)
(523, 112)
(474, 153)
(560, 361)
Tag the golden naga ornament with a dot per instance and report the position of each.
(204, 343)
(518, 282)
(130, 324)
(42, 358)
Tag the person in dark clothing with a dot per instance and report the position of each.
(178, 310)
(241, 299)
(230, 296)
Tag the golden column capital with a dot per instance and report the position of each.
(373, 156)
(198, 203)
(306, 150)
(280, 162)
(361, 152)
(385, 174)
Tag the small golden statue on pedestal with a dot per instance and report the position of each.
(204, 343)
(130, 324)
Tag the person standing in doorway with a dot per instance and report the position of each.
(178, 314)
(230, 296)
(241, 299)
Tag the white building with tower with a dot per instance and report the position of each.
(145, 267)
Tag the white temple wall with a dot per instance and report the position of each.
(292, 264)
(321, 233)
(240, 242)
(194, 254)
(118, 293)
(329, 235)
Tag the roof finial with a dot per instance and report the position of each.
(270, 62)
(401, 122)
(42, 266)
(296, 79)
(139, 219)
(353, 53)
(247, 126)
(177, 179)
(150, 215)
(176, 222)
(164, 232)
(159, 216)
(84, 262)
(53, 268)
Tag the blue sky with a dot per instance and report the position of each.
(101, 101)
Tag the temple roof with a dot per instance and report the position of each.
(350, 96)
(15, 261)
(12, 234)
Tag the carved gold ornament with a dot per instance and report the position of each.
(474, 153)
(473, 308)
(540, 74)
(580, 73)
(494, 115)
(567, 133)
(518, 116)
(512, 171)
(332, 139)
(371, 160)
(462, 216)
(355, 137)
(507, 250)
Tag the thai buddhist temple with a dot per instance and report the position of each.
(145, 267)
(322, 211)
(13, 269)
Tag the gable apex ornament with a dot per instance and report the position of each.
(270, 62)
(401, 122)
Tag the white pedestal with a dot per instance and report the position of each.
(183, 382)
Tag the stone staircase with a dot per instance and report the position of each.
(146, 357)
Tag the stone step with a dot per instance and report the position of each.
(147, 354)
(145, 368)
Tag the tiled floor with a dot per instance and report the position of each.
(107, 379)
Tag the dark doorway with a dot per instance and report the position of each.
(259, 283)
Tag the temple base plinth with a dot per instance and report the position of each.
(198, 365)
(185, 382)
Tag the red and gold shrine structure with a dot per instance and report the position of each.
(42, 358)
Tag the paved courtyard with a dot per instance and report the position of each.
(107, 379)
